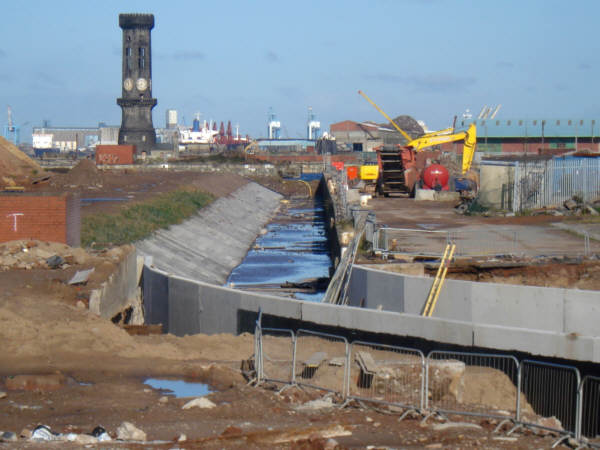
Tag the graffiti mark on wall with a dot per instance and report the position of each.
(107, 158)
(15, 222)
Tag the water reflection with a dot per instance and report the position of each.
(293, 250)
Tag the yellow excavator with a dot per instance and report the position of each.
(398, 170)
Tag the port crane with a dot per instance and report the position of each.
(11, 129)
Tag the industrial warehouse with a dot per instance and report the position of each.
(370, 283)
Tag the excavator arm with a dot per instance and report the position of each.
(437, 137)
(469, 138)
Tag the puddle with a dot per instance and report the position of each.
(85, 201)
(179, 388)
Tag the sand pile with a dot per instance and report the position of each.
(15, 166)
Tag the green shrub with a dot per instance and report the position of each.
(139, 221)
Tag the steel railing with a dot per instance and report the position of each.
(476, 384)
(276, 356)
(552, 392)
(313, 367)
(530, 394)
(397, 378)
(546, 183)
(589, 411)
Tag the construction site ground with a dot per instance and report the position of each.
(548, 250)
(66, 368)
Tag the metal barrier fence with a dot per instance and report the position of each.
(551, 391)
(495, 241)
(386, 374)
(589, 393)
(531, 394)
(276, 355)
(544, 183)
(475, 384)
(319, 369)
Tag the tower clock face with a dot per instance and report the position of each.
(141, 84)
(128, 84)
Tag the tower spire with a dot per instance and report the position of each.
(136, 99)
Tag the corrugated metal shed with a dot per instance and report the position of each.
(536, 128)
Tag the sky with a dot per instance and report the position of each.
(233, 60)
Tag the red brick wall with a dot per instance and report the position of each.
(115, 154)
(54, 218)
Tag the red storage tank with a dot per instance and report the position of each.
(435, 177)
(352, 172)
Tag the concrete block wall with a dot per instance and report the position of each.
(54, 218)
(549, 309)
(190, 307)
(119, 291)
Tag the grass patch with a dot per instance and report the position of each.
(140, 220)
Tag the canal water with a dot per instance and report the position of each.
(291, 257)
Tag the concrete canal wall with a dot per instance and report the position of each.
(186, 306)
(568, 311)
(180, 293)
(209, 245)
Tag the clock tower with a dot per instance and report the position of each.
(136, 99)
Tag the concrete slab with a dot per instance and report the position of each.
(531, 307)
(582, 312)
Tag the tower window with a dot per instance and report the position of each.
(142, 58)
(128, 59)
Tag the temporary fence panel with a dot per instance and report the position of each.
(549, 183)
(386, 374)
(549, 396)
(321, 361)
(277, 355)
(476, 384)
(590, 409)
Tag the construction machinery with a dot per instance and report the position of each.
(400, 169)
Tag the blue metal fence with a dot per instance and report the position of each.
(540, 184)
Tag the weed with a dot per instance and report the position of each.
(139, 221)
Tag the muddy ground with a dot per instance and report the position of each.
(89, 371)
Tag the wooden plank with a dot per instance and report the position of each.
(366, 362)
(315, 359)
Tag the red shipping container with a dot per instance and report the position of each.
(352, 172)
(114, 154)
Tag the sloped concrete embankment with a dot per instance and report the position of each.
(209, 245)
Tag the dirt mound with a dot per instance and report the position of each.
(84, 174)
(15, 166)
(408, 124)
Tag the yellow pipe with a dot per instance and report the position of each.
(400, 130)
(443, 277)
(435, 281)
